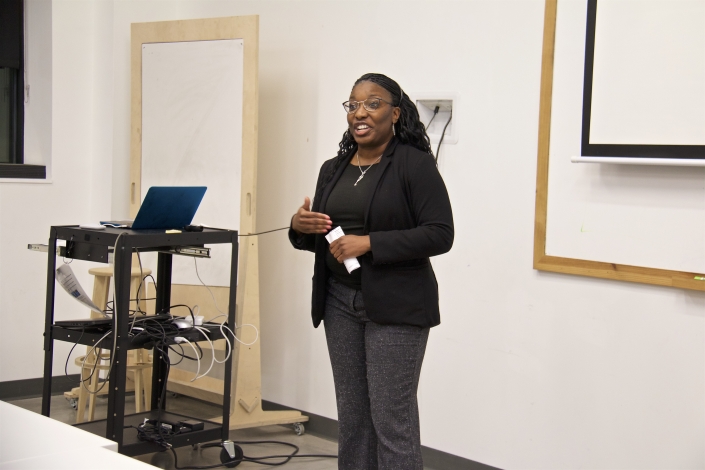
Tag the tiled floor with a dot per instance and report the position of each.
(187, 456)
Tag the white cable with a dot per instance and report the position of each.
(241, 341)
(195, 262)
(203, 332)
(225, 337)
(225, 315)
(231, 331)
(181, 339)
(227, 341)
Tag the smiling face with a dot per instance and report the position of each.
(372, 130)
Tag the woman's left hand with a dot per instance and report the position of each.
(350, 246)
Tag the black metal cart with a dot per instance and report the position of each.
(99, 246)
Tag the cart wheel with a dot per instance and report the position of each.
(299, 429)
(73, 403)
(225, 457)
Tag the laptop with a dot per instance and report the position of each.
(165, 207)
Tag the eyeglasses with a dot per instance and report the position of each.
(370, 104)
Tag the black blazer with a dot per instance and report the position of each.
(408, 218)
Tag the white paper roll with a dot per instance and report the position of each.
(351, 264)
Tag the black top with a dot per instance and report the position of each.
(346, 208)
(408, 218)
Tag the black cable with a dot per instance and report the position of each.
(93, 370)
(183, 355)
(66, 366)
(257, 460)
(262, 233)
(109, 303)
(252, 234)
(132, 315)
(443, 135)
(152, 327)
(193, 467)
(154, 281)
(435, 113)
(142, 278)
(193, 319)
(160, 433)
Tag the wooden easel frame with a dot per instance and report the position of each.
(246, 400)
(542, 261)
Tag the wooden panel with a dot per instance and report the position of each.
(246, 403)
(542, 262)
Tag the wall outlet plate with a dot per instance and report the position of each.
(447, 102)
(443, 105)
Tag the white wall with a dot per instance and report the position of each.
(65, 129)
(528, 369)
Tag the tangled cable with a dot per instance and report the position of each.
(239, 455)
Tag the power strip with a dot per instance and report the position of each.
(179, 427)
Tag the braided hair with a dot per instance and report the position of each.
(409, 129)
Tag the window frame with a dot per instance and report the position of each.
(18, 169)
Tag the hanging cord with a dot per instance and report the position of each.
(435, 113)
(262, 233)
(443, 135)
(97, 360)
(215, 303)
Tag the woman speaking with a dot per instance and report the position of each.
(384, 191)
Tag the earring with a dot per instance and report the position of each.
(394, 131)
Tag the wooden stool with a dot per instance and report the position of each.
(141, 376)
(139, 366)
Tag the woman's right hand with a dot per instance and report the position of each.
(305, 221)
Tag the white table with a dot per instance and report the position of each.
(31, 441)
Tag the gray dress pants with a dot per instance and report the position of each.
(376, 373)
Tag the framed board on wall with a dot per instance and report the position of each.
(644, 79)
(631, 223)
(194, 122)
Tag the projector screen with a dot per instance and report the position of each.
(644, 86)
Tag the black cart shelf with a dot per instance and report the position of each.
(99, 246)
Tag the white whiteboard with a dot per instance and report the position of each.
(649, 73)
(634, 215)
(192, 95)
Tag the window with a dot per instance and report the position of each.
(12, 94)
